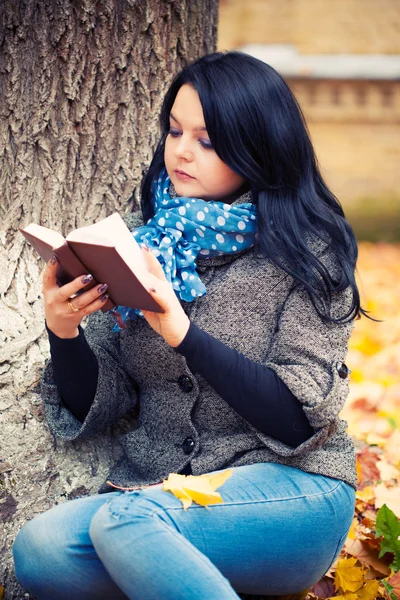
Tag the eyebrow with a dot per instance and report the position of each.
(194, 129)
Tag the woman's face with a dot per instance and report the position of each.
(191, 162)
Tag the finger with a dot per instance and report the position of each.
(92, 306)
(73, 287)
(159, 298)
(49, 274)
(86, 298)
(160, 293)
(154, 264)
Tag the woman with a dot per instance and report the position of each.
(253, 262)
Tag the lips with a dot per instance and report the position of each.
(181, 173)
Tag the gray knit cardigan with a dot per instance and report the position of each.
(253, 307)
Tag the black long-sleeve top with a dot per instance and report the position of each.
(254, 391)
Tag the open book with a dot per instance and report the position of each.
(105, 249)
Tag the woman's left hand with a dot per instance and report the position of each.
(173, 324)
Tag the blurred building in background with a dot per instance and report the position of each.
(342, 60)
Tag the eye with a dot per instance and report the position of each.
(174, 132)
(206, 144)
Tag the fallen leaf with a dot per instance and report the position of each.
(352, 530)
(369, 590)
(366, 531)
(394, 581)
(388, 526)
(367, 460)
(366, 495)
(348, 577)
(386, 470)
(389, 590)
(174, 484)
(382, 590)
(324, 588)
(368, 523)
(218, 479)
(366, 555)
(388, 496)
(204, 497)
(199, 488)
(370, 514)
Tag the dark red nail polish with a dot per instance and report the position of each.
(146, 248)
(153, 290)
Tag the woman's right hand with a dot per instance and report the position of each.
(60, 319)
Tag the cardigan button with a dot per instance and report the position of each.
(188, 445)
(342, 369)
(185, 383)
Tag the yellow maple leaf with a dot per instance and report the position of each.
(217, 479)
(199, 488)
(369, 590)
(174, 484)
(348, 577)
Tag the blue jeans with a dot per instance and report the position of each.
(278, 532)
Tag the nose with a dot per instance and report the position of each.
(182, 148)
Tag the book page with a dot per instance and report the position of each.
(109, 228)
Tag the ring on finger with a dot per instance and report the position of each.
(72, 308)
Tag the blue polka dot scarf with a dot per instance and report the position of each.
(183, 229)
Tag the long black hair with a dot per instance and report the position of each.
(257, 128)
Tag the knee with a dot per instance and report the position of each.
(98, 526)
(133, 510)
(28, 553)
(113, 515)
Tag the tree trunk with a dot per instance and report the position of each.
(81, 88)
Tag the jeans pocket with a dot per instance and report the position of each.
(338, 549)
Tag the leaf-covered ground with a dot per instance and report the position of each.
(369, 565)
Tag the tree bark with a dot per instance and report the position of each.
(82, 83)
